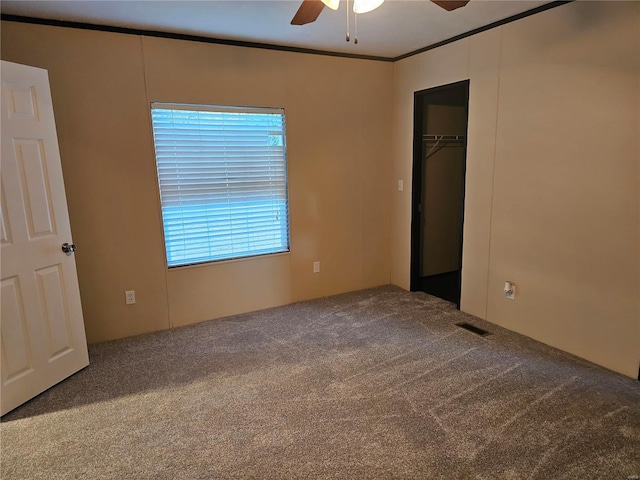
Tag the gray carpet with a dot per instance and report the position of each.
(372, 384)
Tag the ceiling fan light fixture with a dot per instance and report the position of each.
(332, 4)
(364, 6)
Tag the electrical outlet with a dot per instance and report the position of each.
(316, 267)
(400, 185)
(130, 297)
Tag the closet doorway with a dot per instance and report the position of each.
(439, 164)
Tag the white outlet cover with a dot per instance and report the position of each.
(130, 297)
(512, 294)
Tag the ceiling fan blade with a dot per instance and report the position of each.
(449, 5)
(308, 12)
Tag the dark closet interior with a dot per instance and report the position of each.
(439, 164)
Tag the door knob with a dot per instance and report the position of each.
(68, 248)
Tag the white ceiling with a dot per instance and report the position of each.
(396, 28)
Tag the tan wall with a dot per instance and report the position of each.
(338, 114)
(98, 92)
(552, 193)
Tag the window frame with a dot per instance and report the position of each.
(223, 109)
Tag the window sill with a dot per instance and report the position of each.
(230, 260)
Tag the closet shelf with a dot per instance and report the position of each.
(441, 141)
(443, 138)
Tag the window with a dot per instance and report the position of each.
(223, 181)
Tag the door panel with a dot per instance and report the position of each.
(16, 358)
(54, 311)
(21, 101)
(5, 230)
(43, 339)
(35, 191)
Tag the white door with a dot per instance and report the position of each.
(42, 334)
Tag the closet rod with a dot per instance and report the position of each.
(443, 138)
(442, 141)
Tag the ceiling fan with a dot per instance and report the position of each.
(310, 9)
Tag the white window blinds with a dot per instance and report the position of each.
(223, 181)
